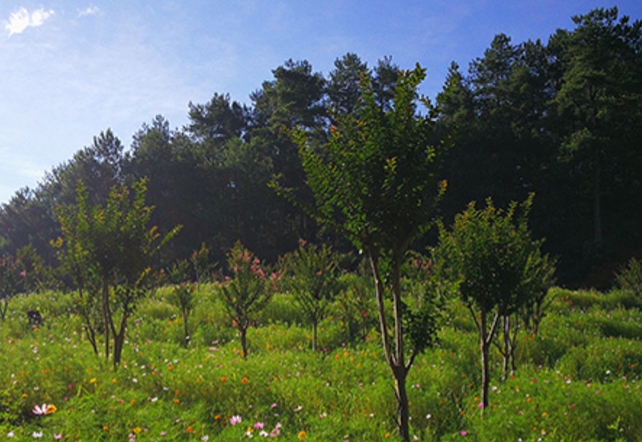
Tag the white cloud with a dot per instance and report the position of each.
(91, 10)
(22, 19)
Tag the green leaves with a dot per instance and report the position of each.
(376, 176)
(491, 254)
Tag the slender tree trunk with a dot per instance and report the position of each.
(485, 340)
(91, 335)
(119, 341)
(3, 309)
(484, 360)
(395, 360)
(508, 346)
(106, 316)
(403, 409)
(243, 333)
(399, 368)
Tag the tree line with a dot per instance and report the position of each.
(559, 119)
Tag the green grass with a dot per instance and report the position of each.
(578, 380)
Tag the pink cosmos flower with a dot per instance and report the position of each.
(235, 420)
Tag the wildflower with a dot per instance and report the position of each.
(259, 425)
(263, 433)
(189, 430)
(235, 420)
(302, 435)
(244, 380)
(92, 380)
(276, 431)
(37, 434)
(44, 409)
(58, 436)
(205, 438)
(137, 430)
(463, 432)
(480, 405)
(10, 434)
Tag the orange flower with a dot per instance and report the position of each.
(244, 380)
(223, 379)
(189, 430)
(302, 435)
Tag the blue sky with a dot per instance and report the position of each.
(71, 69)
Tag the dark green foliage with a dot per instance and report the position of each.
(629, 279)
(10, 282)
(497, 267)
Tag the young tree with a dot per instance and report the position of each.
(491, 256)
(114, 244)
(182, 296)
(313, 278)
(248, 292)
(376, 181)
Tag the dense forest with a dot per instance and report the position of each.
(560, 119)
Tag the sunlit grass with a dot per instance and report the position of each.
(577, 380)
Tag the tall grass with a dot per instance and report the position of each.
(577, 380)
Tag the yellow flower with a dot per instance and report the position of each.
(92, 380)
(302, 435)
(137, 430)
(51, 409)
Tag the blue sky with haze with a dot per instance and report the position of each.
(71, 69)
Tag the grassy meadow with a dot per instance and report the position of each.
(577, 380)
